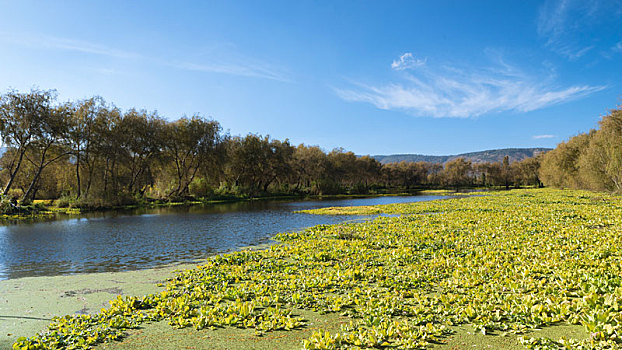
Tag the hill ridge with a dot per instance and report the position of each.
(491, 155)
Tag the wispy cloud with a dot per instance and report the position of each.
(452, 92)
(567, 26)
(57, 43)
(573, 52)
(617, 47)
(105, 71)
(537, 137)
(85, 47)
(237, 65)
(552, 18)
(246, 70)
(407, 61)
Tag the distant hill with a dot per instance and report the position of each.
(493, 155)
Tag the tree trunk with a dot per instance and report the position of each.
(185, 188)
(89, 180)
(26, 198)
(106, 175)
(78, 194)
(13, 174)
(32, 189)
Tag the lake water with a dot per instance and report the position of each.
(145, 238)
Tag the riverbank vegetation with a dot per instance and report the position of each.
(503, 264)
(90, 154)
(591, 160)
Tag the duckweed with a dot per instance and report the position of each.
(505, 263)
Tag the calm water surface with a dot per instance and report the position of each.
(131, 240)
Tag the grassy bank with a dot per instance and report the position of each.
(535, 269)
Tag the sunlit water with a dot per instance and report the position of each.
(131, 240)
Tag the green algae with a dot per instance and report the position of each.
(27, 305)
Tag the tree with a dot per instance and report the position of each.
(21, 118)
(560, 167)
(506, 172)
(105, 148)
(280, 156)
(491, 173)
(406, 174)
(309, 165)
(457, 172)
(141, 142)
(83, 136)
(340, 168)
(190, 143)
(527, 171)
(255, 161)
(600, 163)
(368, 171)
(47, 145)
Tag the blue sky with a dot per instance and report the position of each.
(373, 77)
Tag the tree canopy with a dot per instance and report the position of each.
(94, 154)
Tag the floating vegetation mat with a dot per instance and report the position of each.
(504, 263)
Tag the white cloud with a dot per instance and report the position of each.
(617, 47)
(573, 52)
(57, 43)
(407, 61)
(240, 66)
(85, 47)
(237, 64)
(537, 137)
(552, 18)
(105, 71)
(569, 27)
(240, 69)
(462, 93)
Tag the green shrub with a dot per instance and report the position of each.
(200, 188)
(6, 207)
(65, 201)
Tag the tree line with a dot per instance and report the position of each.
(591, 160)
(89, 153)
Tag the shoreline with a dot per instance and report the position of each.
(52, 213)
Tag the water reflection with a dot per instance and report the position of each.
(143, 238)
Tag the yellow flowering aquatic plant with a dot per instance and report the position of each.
(505, 262)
